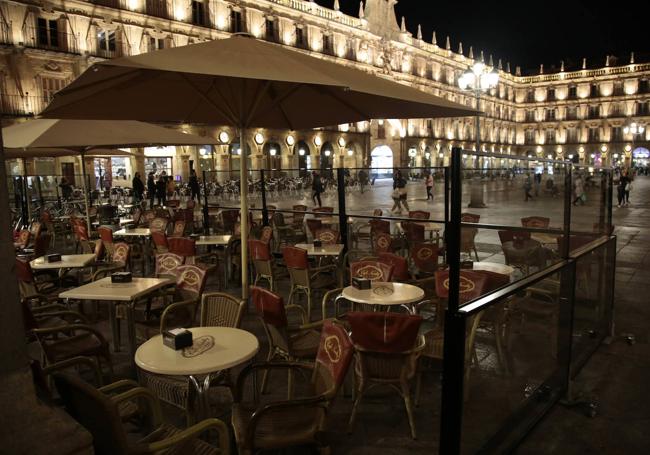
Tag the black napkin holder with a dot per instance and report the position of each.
(53, 257)
(318, 244)
(177, 339)
(361, 283)
(468, 265)
(121, 277)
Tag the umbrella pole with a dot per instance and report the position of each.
(243, 193)
(28, 202)
(86, 189)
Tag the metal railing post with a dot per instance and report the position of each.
(40, 191)
(343, 216)
(206, 216)
(568, 200)
(58, 195)
(265, 210)
(454, 347)
(446, 185)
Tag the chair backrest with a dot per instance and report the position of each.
(160, 241)
(158, 224)
(384, 332)
(229, 218)
(173, 203)
(536, 222)
(190, 204)
(179, 228)
(136, 216)
(472, 284)
(100, 250)
(511, 236)
(470, 218)
(267, 234)
(299, 217)
(377, 212)
(221, 310)
(36, 228)
(335, 352)
(494, 280)
(425, 257)
(148, 216)
(314, 225)
(382, 243)
(182, 246)
(377, 226)
(419, 215)
(371, 270)
(168, 263)
(414, 232)
(121, 253)
(295, 258)
(259, 250)
(80, 231)
(25, 277)
(105, 234)
(95, 411)
(270, 307)
(24, 238)
(399, 263)
(328, 236)
(190, 281)
(41, 244)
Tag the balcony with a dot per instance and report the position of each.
(21, 106)
(50, 39)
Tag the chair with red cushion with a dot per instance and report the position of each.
(400, 266)
(419, 215)
(262, 262)
(536, 222)
(167, 264)
(106, 236)
(328, 236)
(313, 226)
(305, 279)
(160, 242)
(382, 243)
(371, 270)
(387, 347)
(323, 212)
(159, 224)
(425, 258)
(470, 218)
(299, 422)
(288, 343)
(179, 228)
(511, 236)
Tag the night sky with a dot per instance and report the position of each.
(527, 33)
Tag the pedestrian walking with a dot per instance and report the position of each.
(66, 188)
(429, 184)
(194, 184)
(138, 188)
(151, 189)
(316, 188)
(579, 191)
(528, 185)
(538, 183)
(363, 179)
(161, 190)
(399, 193)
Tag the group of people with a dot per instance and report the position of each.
(624, 188)
(162, 187)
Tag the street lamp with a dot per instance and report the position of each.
(478, 79)
(635, 130)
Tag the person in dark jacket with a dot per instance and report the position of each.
(151, 189)
(317, 188)
(66, 188)
(138, 188)
(194, 185)
(399, 192)
(161, 190)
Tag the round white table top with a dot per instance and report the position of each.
(213, 239)
(324, 250)
(495, 267)
(214, 349)
(386, 294)
(136, 232)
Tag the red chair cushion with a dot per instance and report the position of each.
(335, 351)
(384, 332)
(473, 284)
(270, 307)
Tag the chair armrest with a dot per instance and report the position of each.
(78, 316)
(46, 308)
(171, 308)
(148, 396)
(69, 328)
(326, 298)
(325, 268)
(74, 361)
(253, 368)
(194, 431)
(312, 325)
(117, 385)
(299, 309)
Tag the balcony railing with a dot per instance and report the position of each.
(49, 39)
(19, 106)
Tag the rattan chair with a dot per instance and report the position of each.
(387, 348)
(262, 262)
(301, 421)
(100, 415)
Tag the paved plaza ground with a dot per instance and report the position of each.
(616, 376)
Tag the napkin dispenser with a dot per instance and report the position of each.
(54, 257)
(469, 265)
(361, 283)
(121, 277)
(318, 244)
(177, 339)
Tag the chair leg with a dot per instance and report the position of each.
(353, 414)
(418, 385)
(289, 384)
(406, 395)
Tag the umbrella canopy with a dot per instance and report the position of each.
(56, 152)
(76, 135)
(244, 82)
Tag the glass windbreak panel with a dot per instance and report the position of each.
(590, 198)
(515, 351)
(593, 301)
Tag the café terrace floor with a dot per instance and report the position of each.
(615, 376)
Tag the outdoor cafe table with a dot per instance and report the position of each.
(137, 232)
(324, 250)
(214, 349)
(429, 227)
(384, 295)
(106, 291)
(494, 267)
(545, 239)
(68, 261)
(213, 240)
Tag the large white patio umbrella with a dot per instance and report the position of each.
(52, 137)
(245, 83)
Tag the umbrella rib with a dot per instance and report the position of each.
(344, 102)
(261, 90)
(277, 102)
(207, 99)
